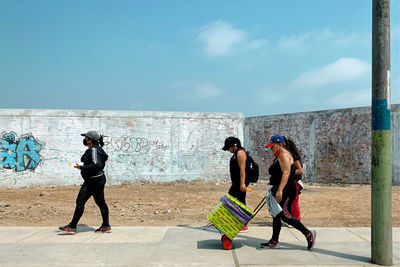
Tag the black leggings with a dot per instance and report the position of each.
(235, 192)
(88, 189)
(285, 215)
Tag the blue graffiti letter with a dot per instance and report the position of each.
(28, 150)
(7, 151)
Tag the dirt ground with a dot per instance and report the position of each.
(183, 203)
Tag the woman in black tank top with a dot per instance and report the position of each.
(276, 178)
(237, 169)
(282, 173)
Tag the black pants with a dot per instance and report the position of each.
(285, 215)
(235, 192)
(91, 188)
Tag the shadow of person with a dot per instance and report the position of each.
(81, 228)
(245, 240)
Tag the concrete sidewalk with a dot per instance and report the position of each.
(183, 246)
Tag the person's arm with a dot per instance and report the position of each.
(299, 169)
(96, 162)
(241, 158)
(284, 163)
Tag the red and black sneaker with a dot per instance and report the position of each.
(311, 239)
(271, 244)
(68, 230)
(103, 229)
(244, 229)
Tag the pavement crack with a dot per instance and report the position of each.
(290, 231)
(316, 256)
(235, 258)
(354, 233)
(28, 236)
(93, 239)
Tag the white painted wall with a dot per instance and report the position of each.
(157, 146)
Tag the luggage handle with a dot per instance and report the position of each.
(259, 207)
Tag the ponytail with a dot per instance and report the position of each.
(291, 146)
(101, 142)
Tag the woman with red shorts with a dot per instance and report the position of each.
(290, 145)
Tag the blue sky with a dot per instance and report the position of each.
(256, 57)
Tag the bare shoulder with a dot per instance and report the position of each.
(285, 158)
(241, 153)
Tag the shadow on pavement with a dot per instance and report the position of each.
(249, 241)
(81, 228)
(262, 224)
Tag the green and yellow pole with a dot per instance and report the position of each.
(381, 157)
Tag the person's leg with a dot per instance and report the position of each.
(81, 199)
(234, 191)
(98, 195)
(295, 211)
(241, 197)
(276, 227)
(289, 219)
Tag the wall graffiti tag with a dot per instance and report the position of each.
(19, 154)
(134, 145)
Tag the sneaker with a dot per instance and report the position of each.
(67, 229)
(271, 244)
(103, 229)
(245, 229)
(311, 239)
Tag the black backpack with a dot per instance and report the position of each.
(252, 171)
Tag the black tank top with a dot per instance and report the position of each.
(276, 173)
(234, 168)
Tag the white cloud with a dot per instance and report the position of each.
(207, 90)
(298, 43)
(350, 99)
(220, 37)
(344, 69)
(345, 40)
(257, 44)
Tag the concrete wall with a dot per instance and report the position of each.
(36, 145)
(335, 144)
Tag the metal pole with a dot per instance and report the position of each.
(381, 157)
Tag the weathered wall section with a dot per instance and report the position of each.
(335, 144)
(37, 145)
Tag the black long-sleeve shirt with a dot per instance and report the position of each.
(94, 160)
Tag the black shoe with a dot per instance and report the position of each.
(67, 229)
(311, 239)
(103, 229)
(271, 244)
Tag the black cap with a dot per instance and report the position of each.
(230, 141)
(92, 135)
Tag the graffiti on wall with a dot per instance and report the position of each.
(19, 154)
(138, 145)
